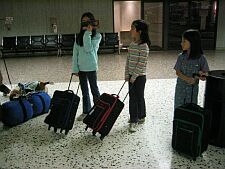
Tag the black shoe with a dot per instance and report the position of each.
(4, 89)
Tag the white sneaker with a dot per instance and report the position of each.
(133, 127)
(81, 117)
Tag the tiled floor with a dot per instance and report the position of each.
(31, 145)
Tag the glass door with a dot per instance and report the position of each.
(178, 22)
(192, 14)
(153, 14)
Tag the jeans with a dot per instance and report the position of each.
(137, 107)
(92, 78)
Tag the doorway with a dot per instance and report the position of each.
(125, 12)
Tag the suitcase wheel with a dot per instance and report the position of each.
(49, 127)
(66, 132)
(61, 130)
(55, 129)
(93, 133)
(102, 137)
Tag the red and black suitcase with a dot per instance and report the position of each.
(104, 113)
(64, 105)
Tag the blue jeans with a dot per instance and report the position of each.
(137, 107)
(92, 78)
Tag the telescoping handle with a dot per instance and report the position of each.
(127, 92)
(192, 86)
(71, 77)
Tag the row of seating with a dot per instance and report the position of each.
(46, 43)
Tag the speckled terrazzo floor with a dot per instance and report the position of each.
(31, 145)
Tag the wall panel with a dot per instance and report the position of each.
(35, 17)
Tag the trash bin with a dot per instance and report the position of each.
(215, 103)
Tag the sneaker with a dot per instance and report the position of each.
(133, 127)
(141, 121)
(81, 117)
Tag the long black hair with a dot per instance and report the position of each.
(79, 39)
(194, 37)
(142, 26)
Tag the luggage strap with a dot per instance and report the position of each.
(97, 127)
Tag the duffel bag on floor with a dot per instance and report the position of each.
(40, 102)
(16, 111)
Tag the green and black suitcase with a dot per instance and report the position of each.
(191, 125)
(190, 130)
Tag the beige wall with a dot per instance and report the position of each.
(36, 16)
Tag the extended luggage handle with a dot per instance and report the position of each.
(70, 83)
(127, 92)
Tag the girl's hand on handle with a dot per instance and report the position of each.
(202, 75)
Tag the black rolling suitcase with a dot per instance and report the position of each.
(190, 130)
(63, 107)
(104, 113)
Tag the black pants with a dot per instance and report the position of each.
(137, 107)
(90, 77)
